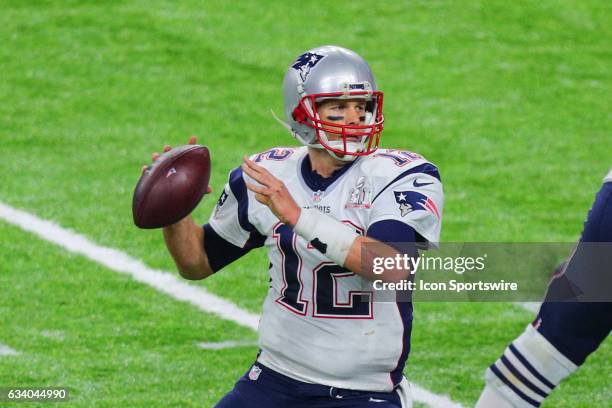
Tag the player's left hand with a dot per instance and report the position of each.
(272, 192)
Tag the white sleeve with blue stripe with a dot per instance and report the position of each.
(416, 199)
(229, 218)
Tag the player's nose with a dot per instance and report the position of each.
(353, 116)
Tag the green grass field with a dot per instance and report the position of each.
(512, 100)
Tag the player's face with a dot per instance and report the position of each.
(342, 112)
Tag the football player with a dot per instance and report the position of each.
(324, 341)
(563, 334)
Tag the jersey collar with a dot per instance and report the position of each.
(316, 182)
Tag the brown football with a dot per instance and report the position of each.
(171, 187)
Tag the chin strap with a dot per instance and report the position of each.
(344, 158)
(293, 132)
(282, 122)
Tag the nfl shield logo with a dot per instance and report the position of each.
(254, 373)
(317, 196)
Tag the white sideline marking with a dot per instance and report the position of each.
(120, 262)
(165, 282)
(7, 351)
(226, 344)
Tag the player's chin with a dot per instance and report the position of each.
(348, 137)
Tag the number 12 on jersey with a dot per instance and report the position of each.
(326, 284)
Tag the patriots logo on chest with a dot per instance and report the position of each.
(410, 201)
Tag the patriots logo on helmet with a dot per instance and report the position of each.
(305, 62)
(410, 201)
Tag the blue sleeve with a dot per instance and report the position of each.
(397, 234)
(221, 252)
(598, 226)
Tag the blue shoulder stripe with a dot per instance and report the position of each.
(426, 168)
(238, 187)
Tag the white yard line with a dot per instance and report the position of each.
(121, 262)
(226, 344)
(7, 351)
(165, 282)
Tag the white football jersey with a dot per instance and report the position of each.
(313, 328)
(608, 178)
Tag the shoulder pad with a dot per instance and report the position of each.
(278, 158)
(391, 164)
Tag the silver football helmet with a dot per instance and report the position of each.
(332, 72)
